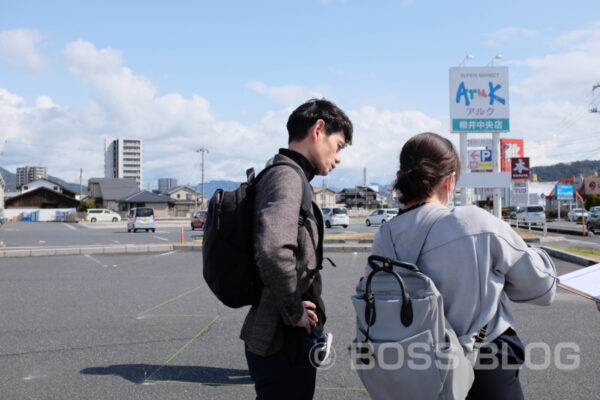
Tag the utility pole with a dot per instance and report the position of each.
(202, 150)
(593, 107)
(80, 184)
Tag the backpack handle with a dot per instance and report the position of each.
(406, 312)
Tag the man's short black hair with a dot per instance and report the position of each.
(308, 113)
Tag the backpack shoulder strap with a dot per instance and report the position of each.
(306, 206)
(418, 239)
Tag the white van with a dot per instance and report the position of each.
(101, 214)
(531, 214)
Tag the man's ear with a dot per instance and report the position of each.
(317, 129)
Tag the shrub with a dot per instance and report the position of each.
(592, 201)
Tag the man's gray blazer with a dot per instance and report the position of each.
(285, 255)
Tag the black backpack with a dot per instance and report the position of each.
(229, 268)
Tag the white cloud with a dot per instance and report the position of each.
(507, 34)
(124, 104)
(557, 132)
(18, 48)
(378, 138)
(44, 102)
(288, 95)
(571, 72)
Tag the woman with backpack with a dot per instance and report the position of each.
(475, 260)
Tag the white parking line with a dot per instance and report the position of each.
(167, 253)
(161, 238)
(95, 260)
(69, 226)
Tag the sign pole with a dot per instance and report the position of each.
(464, 168)
(496, 168)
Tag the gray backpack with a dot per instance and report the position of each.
(405, 347)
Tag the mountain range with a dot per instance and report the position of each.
(552, 173)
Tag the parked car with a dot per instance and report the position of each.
(509, 212)
(380, 216)
(198, 219)
(335, 216)
(593, 222)
(101, 214)
(575, 215)
(141, 218)
(531, 214)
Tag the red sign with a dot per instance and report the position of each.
(519, 168)
(509, 148)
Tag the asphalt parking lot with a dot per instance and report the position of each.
(146, 327)
(54, 234)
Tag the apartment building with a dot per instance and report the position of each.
(166, 184)
(124, 158)
(28, 174)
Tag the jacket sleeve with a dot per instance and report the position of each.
(529, 273)
(277, 207)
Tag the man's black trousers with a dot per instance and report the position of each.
(287, 374)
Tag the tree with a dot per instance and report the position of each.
(87, 204)
(592, 201)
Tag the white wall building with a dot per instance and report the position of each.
(28, 174)
(124, 158)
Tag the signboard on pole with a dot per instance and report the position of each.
(519, 168)
(480, 160)
(520, 187)
(479, 143)
(509, 148)
(484, 180)
(564, 192)
(479, 99)
(592, 185)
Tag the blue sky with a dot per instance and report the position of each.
(227, 74)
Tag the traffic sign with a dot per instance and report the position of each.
(519, 168)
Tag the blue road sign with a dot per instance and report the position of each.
(564, 191)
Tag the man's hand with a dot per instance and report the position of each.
(309, 318)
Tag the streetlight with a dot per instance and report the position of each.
(496, 57)
(467, 57)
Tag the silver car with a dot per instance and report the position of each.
(381, 216)
(141, 218)
(575, 215)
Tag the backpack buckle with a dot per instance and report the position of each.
(480, 336)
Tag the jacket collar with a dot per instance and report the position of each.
(308, 168)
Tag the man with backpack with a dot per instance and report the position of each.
(287, 321)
